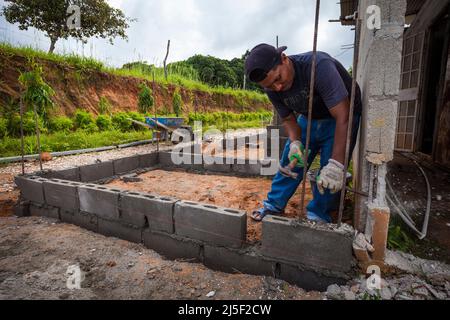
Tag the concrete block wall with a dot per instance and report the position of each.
(179, 229)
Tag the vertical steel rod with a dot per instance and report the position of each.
(350, 117)
(154, 104)
(22, 147)
(38, 136)
(310, 106)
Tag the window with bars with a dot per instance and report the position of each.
(406, 123)
(412, 52)
(409, 83)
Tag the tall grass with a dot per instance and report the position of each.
(177, 75)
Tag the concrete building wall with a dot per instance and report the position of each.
(379, 70)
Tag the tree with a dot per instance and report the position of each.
(145, 98)
(98, 19)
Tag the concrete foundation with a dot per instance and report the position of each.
(179, 229)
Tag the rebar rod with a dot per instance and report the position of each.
(350, 117)
(310, 106)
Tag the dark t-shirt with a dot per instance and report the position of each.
(333, 84)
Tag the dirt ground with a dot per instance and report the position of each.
(226, 191)
(410, 187)
(35, 254)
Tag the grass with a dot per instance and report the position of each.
(187, 81)
(70, 141)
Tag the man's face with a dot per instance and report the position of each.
(280, 78)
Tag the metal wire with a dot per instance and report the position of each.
(350, 118)
(310, 106)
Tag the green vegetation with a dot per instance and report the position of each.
(36, 91)
(104, 106)
(177, 75)
(99, 19)
(75, 140)
(146, 100)
(63, 124)
(176, 102)
(398, 239)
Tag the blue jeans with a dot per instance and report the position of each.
(322, 140)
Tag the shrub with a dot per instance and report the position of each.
(177, 102)
(3, 127)
(120, 121)
(104, 106)
(138, 117)
(63, 124)
(83, 120)
(29, 127)
(145, 98)
(103, 122)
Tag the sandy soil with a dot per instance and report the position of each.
(35, 254)
(226, 191)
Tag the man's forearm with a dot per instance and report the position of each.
(340, 140)
(292, 128)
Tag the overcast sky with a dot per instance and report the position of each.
(224, 29)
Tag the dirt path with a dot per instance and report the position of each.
(36, 252)
(226, 191)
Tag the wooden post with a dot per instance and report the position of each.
(165, 60)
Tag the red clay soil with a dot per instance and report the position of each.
(226, 191)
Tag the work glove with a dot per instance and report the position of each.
(331, 177)
(296, 151)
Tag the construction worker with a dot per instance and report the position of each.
(286, 81)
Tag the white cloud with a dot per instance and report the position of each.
(225, 29)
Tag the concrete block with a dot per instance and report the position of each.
(62, 194)
(101, 201)
(39, 210)
(172, 247)
(247, 168)
(22, 208)
(232, 261)
(119, 230)
(220, 226)
(31, 188)
(85, 220)
(318, 247)
(67, 216)
(186, 161)
(165, 159)
(307, 279)
(218, 164)
(125, 165)
(72, 174)
(148, 160)
(97, 171)
(136, 207)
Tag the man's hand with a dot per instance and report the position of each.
(296, 152)
(331, 177)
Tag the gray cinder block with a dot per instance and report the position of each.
(307, 279)
(148, 160)
(289, 240)
(85, 220)
(119, 230)
(31, 188)
(232, 260)
(97, 171)
(124, 165)
(220, 226)
(165, 159)
(62, 194)
(39, 210)
(172, 247)
(217, 164)
(135, 207)
(98, 200)
(72, 174)
(247, 168)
